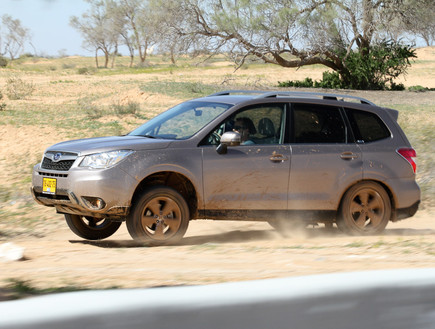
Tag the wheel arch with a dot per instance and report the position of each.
(177, 181)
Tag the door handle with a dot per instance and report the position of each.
(278, 157)
(348, 155)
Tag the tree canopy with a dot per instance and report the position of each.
(360, 40)
(333, 33)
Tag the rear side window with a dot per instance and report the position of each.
(317, 124)
(367, 126)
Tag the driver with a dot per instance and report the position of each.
(245, 127)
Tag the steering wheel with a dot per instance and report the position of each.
(214, 138)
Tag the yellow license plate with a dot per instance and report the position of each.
(49, 185)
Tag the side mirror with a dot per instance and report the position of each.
(230, 138)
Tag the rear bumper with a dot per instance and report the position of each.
(406, 212)
(406, 192)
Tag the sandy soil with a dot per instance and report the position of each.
(212, 251)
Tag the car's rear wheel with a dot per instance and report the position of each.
(365, 209)
(91, 228)
(159, 216)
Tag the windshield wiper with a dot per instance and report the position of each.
(149, 136)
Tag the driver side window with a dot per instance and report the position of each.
(257, 124)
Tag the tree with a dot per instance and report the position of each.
(13, 38)
(120, 21)
(415, 20)
(422, 19)
(136, 13)
(293, 33)
(162, 14)
(99, 29)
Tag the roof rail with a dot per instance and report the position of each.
(301, 94)
(237, 92)
(336, 97)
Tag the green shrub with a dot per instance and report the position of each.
(27, 55)
(375, 67)
(330, 80)
(396, 86)
(306, 83)
(419, 88)
(3, 62)
(124, 109)
(2, 105)
(372, 68)
(92, 111)
(17, 88)
(85, 70)
(66, 66)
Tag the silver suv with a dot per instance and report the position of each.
(281, 157)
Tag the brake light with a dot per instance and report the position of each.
(409, 154)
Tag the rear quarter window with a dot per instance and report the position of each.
(367, 126)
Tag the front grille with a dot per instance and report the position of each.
(60, 165)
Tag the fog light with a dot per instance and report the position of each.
(93, 202)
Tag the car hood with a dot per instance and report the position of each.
(104, 144)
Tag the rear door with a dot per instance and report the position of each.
(324, 160)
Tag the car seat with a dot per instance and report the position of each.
(267, 129)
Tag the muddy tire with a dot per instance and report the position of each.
(365, 209)
(91, 228)
(160, 216)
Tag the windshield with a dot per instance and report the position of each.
(181, 121)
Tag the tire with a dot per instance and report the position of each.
(365, 209)
(91, 228)
(160, 216)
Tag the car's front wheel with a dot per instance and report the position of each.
(91, 228)
(365, 209)
(159, 216)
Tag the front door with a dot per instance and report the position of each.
(254, 175)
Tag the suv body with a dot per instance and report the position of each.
(310, 157)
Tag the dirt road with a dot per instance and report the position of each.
(215, 252)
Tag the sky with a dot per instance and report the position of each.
(48, 22)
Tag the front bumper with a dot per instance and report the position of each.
(113, 186)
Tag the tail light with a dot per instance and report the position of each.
(408, 154)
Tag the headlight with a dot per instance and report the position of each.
(105, 159)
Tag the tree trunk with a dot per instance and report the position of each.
(106, 59)
(96, 57)
(172, 56)
(115, 53)
(136, 36)
(144, 52)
